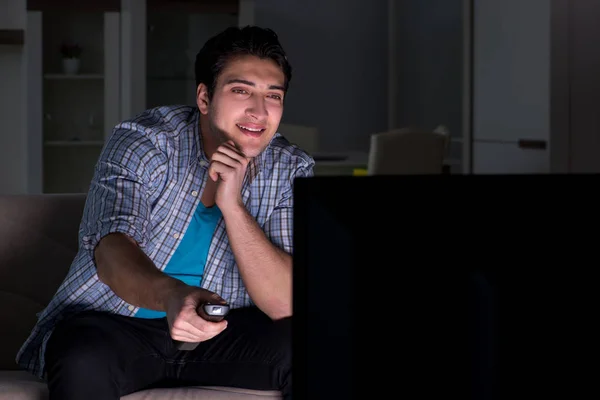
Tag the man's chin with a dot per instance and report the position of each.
(249, 146)
(250, 150)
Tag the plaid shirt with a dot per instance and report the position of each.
(147, 183)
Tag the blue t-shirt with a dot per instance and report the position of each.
(187, 263)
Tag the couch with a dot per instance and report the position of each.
(38, 242)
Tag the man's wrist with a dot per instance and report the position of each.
(170, 289)
(234, 210)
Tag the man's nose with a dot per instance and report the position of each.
(257, 109)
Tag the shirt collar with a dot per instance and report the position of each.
(199, 147)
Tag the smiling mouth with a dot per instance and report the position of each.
(251, 131)
(247, 128)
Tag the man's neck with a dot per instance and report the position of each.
(209, 143)
(209, 146)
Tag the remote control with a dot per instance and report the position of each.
(210, 312)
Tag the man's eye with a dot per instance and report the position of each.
(275, 96)
(239, 91)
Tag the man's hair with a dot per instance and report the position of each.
(234, 42)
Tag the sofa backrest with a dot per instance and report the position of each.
(38, 242)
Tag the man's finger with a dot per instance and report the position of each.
(207, 327)
(226, 159)
(190, 326)
(196, 329)
(230, 152)
(217, 168)
(215, 298)
(231, 143)
(183, 336)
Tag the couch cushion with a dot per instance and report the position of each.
(17, 316)
(20, 385)
(39, 235)
(38, 241)
(204, 393)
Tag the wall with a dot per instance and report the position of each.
(173, 41)
(339, 54)
(511, 85)
(13, 143)
(583, 81)
(429, 57)
(13, 14)
(511, 77)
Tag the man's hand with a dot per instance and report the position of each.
(228, 168)
(185, 325)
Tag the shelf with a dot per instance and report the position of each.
(73, 143)
(194, 6)
(12, 37)
(171, 78)
(453, 162)
(74, 5)
(74, 76)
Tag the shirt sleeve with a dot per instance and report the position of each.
(118, 197)
(279, 226)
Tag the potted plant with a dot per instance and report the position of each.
(71, 54)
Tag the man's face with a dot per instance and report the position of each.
(247, 104)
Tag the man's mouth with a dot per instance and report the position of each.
(251, 129)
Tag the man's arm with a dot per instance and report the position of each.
(128, 271)
(265, 269)
(117, 219)
(263, 258)
(116, 227)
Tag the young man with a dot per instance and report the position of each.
(188, 205)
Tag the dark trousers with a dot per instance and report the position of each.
(95, 355)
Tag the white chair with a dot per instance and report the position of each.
(408, 151)
(305, 137)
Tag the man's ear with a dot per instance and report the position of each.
(202, 98)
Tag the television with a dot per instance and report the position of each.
(383, 300)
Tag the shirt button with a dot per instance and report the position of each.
(194, 193)
(176, 235)
(203, 163)
(131, 308)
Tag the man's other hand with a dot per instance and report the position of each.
(185, 325)
(228, 168)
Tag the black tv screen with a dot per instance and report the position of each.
(472, 286)
(377, 300)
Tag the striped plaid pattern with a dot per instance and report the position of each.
(147, 183)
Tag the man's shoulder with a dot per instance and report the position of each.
(170, 119)
(142, 142)
(149, 132)
(283, 153)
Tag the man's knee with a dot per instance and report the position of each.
(79, 348)
(80, 359)
(281, 339)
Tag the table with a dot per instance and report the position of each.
(347, 163)
(339, 163)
